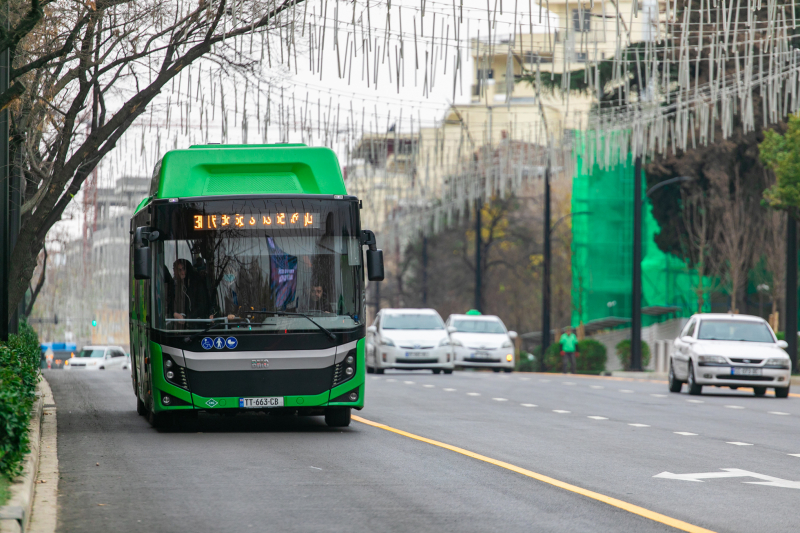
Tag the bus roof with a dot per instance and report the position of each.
(236, 169)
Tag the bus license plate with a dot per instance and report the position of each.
(260, 403)
(738, 371)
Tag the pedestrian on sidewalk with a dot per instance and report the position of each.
(569, 346)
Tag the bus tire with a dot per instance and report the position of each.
(140, 407)
(337, 417)
(160, 420)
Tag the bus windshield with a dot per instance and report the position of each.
(254, 265)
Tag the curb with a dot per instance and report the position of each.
(14, 516)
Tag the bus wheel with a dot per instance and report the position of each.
(337, 417)
(158, 420)
(140, 408)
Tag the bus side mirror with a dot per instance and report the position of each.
(141, 252)
(374, 256)
(375, 265)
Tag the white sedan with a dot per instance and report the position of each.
(482, 341)
(726, 350)
(409, 339)
(99, 358)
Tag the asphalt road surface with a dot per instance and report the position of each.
(491, 440)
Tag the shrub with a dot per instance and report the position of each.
(591, 357)
(527, 362)
(624, 354)
(19, 372)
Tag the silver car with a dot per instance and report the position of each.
(726, 350)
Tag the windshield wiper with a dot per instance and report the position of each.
(327, 332)
(190, 338)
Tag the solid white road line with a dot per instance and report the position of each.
(500, 399)
(739, 443)
(473, 394)
(597, 417)
(734, 407)
(778, 413)
(560, 411)
(685, 433)
(528, 405)
(639, 425)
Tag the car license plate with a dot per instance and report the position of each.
(477, 355)
(739, 371)
(259, 403)
(416, 354)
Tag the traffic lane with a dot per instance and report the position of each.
(718, 412)
(285, 474)
(607, 456)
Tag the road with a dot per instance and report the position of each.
(496, 437)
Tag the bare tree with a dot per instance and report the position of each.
(83, 72)
(697, 242)
(736, 231)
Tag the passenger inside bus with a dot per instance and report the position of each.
(187, 295)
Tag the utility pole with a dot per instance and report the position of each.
(478, 243)
(790, 329)
(636, 292)
(546, 270)
(425, 271)
(5, 244)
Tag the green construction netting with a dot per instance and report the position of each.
(602, 235)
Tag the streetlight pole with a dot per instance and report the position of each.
(546, 270)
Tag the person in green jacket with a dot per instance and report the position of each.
(569, 347)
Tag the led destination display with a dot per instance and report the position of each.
(287, 220)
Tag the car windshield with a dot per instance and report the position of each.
(409, 321)
(242, 264)
(478, 326)
(734, 330)
(91, 353)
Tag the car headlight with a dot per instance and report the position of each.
(779, 363)
(387, 342)
(444, 342)
(712, 360)
(456, 342)
(507, 344)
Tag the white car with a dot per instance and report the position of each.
(409, 339)
(99, 358)
(727, 350)
(482, 341)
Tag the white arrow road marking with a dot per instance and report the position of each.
(733, 472)
(794, 454)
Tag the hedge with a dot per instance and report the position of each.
(591, 357)
(624, 354)
(19, 373)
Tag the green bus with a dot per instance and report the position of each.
(247, 285)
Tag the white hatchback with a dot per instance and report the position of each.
(409, 339)
(99, 358)
(726, 350)
(482, 341)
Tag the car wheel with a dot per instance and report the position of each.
(370, 370)
(496, 370)
(337, 417)
(674, 384)
(436, 370)
(508, 370)
(140, 407)
(781, 392)
(760, 391)
(379, 370)
(448, 371)
(694, 388)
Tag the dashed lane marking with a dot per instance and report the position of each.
(695, 401)
(734, 407)
(408, 382)
(658, 395)
(449, 390)
(778, 413)
(544, 381)
(620, 504)
(597, 417)
(473, 394)
(735, 443)
(639, 425)
(524, 379)
(626, 390)
(390, 380)
(500, 399)
(561, 411)
(429, 386)
(569, 383)
(528, 405)
(685, 433)
(597, 387)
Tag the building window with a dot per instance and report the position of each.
(581, 20)
(485, 73)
